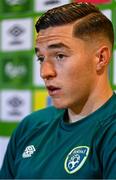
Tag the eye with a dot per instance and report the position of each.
(60, 57)
(40, 59)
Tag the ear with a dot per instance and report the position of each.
(103, 57)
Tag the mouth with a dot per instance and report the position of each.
(53, 90)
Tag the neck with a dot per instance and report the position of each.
(74, 117)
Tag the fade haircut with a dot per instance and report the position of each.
(88, 20)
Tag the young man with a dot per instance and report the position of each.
(76, 138)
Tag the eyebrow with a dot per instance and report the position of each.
(58, 45)
(53, 46)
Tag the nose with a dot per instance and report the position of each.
(47, 70)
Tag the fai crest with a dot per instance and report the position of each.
(76, 158)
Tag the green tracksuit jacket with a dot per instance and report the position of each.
(44, 146)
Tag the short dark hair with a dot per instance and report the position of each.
(92, 21)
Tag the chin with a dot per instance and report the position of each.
(60, 105)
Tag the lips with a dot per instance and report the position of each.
(53, 90)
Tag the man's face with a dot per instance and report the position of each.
(67, 66)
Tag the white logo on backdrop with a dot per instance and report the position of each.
(15, 105)
(15, 2)
(17, 34)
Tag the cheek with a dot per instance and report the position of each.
(79, 77)
(76, 70)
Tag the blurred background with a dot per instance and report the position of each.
(21, 88)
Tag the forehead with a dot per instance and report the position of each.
(53, 34)
(54, 38)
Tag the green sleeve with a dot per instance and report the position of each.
(108, 156)
(7, 170)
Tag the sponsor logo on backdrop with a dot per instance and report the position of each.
(16, 6)
(52, 2)
(15, 2)
(16, 71)
(44, 5)
(12, 70)
(15, 105)
(17, 34)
